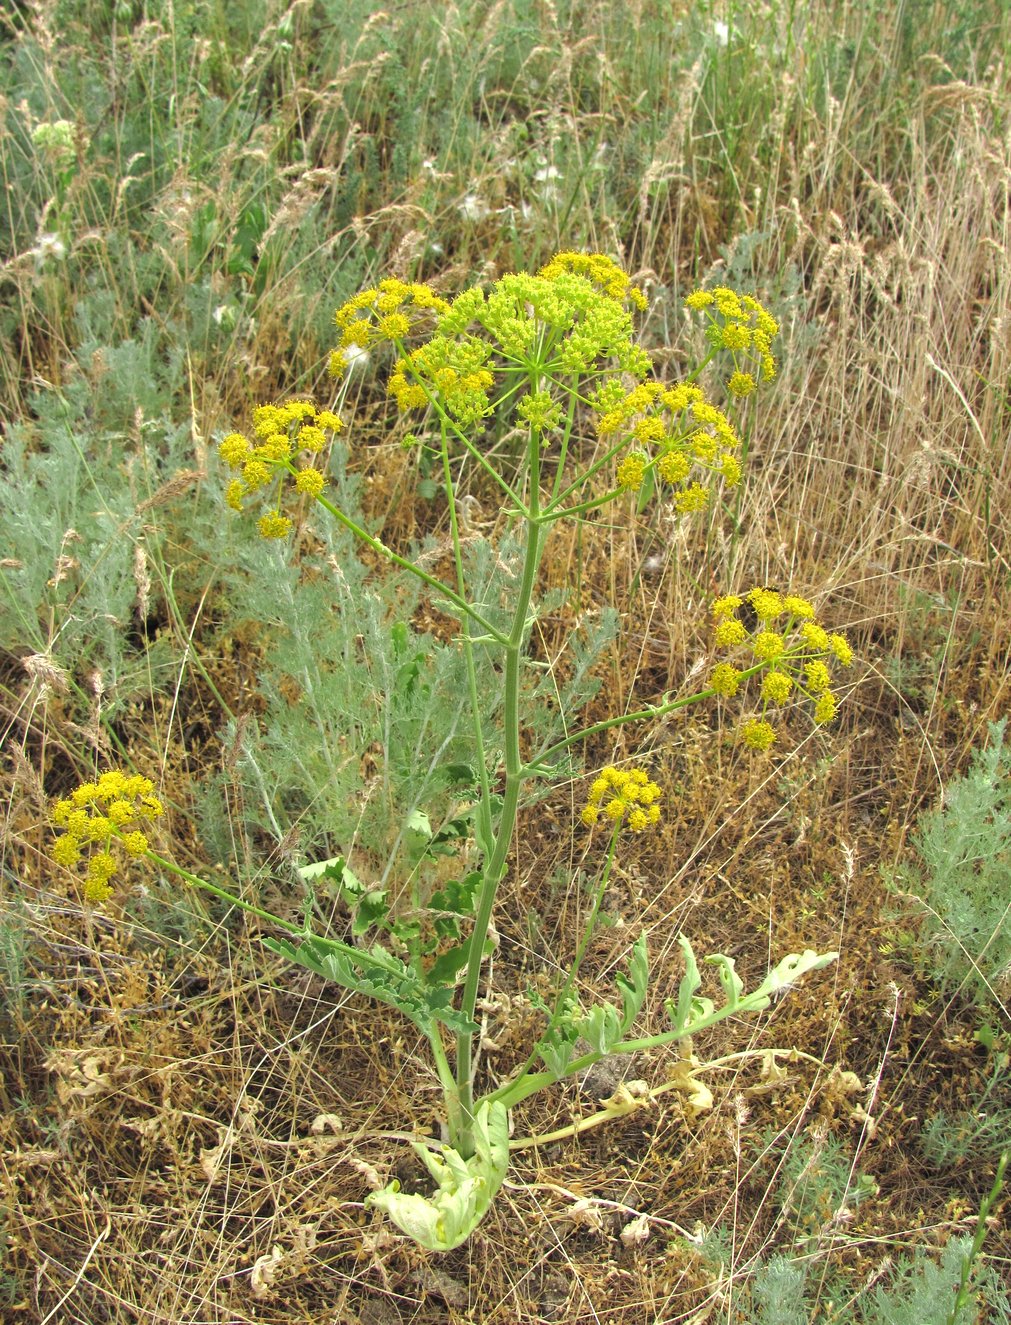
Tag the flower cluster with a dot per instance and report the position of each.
(98, 816)
(791, 651)
(623, 796)
(390, 311)
(570, 319)
(740, 324)
(602, 271)
(455, 371)
(281, 432)
(56, 140)
(684, 432)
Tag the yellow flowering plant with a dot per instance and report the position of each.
(550, 354)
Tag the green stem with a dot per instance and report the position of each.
(223, 893)
(516, 1091)
(964, 1294)
(442, 1063)
(461, 1129)
(433, 583)
(484, 828)
(654, 711)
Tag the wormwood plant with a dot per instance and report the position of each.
(963, 854)
(540, 354)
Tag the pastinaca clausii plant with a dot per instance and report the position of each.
(541, 354)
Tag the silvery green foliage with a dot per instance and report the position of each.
(466, 1187)
(365, 720)
(964, 861)
(777, 1292)
(922, 1292)
(977, 1133)
(787, 1290)
(72, 516)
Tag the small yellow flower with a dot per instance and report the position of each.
(274, 449)
(326, 418)
(817, 675)
(102, 814)
(798, 607)
(110, 785)
(269, 419)
(725, 680)
(274, 525)
(649, 429)
(67, 850)
(255, 475)
(736, 336)
(79, 823)
(235, 450)
(816, 636)
(310, 481)
(673, 467)
(135, 843)
(598, 790)
(100, 828)
(726, 605)
(730, 468)
(728, 301)
(102, 865)
(311, 438)
(693, 498)
(776, 687)
(632, 799)
(394, 326)
(840, 646)
(678, 398)
(729, 632)
(632, 471)
(97, 891)
(758, 735)
(84, 794)
(741, 384)
(826, 708)
(767, 646)
(767, 603)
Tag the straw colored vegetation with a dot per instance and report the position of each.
(190, 1125)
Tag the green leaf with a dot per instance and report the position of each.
(732, 983)
(447, 965)
(369, 907)
(603, 1027)
(324, 869)
(600, 1028)
(458, 895)
(688, 1007)
(633, 989)
(786, 973)
(417, 833)
(556, 1053)
(377, 974)
(466, 1187)
(692, 1010)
